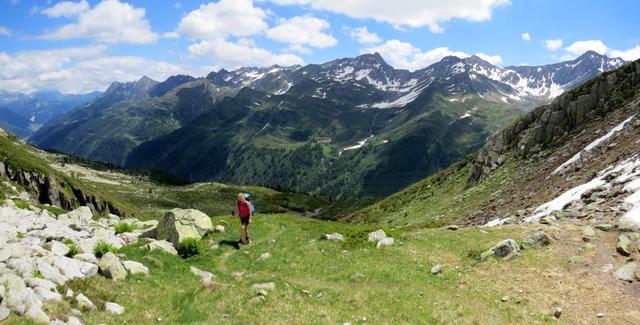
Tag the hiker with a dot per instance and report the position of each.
(245, 212)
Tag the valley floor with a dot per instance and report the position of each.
(353, 282)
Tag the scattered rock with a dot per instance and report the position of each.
(548, 220)
(16, 293)
(538, 238)
(271, 241)
(332, 237)
(162, 245)
(605, 227)
(178, 224)
(558, 312)
(269, 286)
(206, 277)
(624, 245)
(600, 315)
(264, 257)
(606, 268)
(256, 300)
(69, 293)
(84, 303)
(306, 292)
(4, 312)
(626, 272)
(72, 320)
(219, 228)
(505, 249)
(587, 233)
(111, 267)
(436, 269)
(89, 258)
(357, 276)
(135, 267)
(59, 248)
(452, 227)
(388, 241)
(113, 308)
(377, 235)
(504, 298)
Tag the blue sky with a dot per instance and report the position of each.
(78, 46)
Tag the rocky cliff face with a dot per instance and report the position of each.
(49, 190)
(547, 125)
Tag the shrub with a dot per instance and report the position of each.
(103, 248)
(73, 249)
(123, 227)
(190, 247)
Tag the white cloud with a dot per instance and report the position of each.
(110, 21)
(5, 31)
(553, 44)
(404, 55)
(526, 36)
(224, 18)
(493, 59)
(363, 36)
(301, 31)
(631, 54)
(410, 13)
(578, 48)
(79, 69)
(177, 5)
(241, 53)
(66, 9)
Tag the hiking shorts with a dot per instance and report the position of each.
(245, 221)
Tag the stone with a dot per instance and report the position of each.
(558, 312)
(268, 286)
(69, 293)
(626, 272)
(50, 273)
(332, 237)
(436, 269)
(163, 246)
(74, 269)
(34, 310)
(205, 277)
(377, 235)
(624, 245)
(548, 220)
(22, 266)
(219, 228)
(271, 241)
(58, 248)
(536, 239)
(178, 224)
(262, 292)
(600, 315)
(135, 267)
(504, 298)
(505, 249)
(113, 308)
(452, 227)
(43, 283)
(264, 257)
(16, 293)
(72, 320)
(5, 254)
(88, 258)
(111, 267)
(4, 311)
(605, 227)
(45, 294)
(81, 215)
(587, 233)
(578, 261)
(256, 300)
(387, 241)
(84, 303)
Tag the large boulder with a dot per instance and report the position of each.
(178, 224)
(111, 267)
(16, 294)
(377, 235)
(387, 241)
(505, 249)
(135, 267)
(163, 246)
(626, 272)
(81, 215)
(624, 245)
(535, 239)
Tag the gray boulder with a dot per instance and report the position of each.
(59, 248)
(49, 272)
(268, 286)
(624, 245)
(206, 277)
(387, 241)
(4, 311)
(84, 303)
(34, 310)
(163, 246)
(135, 267)
(16, 294)
(626, 272)
(111, 267)
(178, 224)
(436, 269)
(505, 249)
(113, 308)
(536, 239)
(377, 235)
(74, 269)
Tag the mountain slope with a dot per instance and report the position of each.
(13, 122)
(544, 153)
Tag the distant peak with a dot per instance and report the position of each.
(146, 79)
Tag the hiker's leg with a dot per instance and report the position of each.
(246, 232)
(242, 233)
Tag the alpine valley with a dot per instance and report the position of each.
(348, 128)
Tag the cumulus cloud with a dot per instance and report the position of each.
(243, 52)
(66, 9)
(493, 59)
(579, 47)
(408, 13)
(110, 21)
(302, 31)
(404, 55)
(628, 55)
(79, 69)
(363, 36)
(5, 31)
(526, 36)
(224, 18)
(553, 44)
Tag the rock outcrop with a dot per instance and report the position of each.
(178, 224)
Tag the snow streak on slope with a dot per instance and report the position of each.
(592, 146)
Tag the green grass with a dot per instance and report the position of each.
(123, 227)
(103, 248)
(397, 286)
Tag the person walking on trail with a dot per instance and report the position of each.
(245, 213)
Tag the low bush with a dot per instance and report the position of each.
(103, 248)
(190, 247)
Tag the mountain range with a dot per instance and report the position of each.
(353, 127)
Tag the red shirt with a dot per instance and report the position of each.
(244, 210)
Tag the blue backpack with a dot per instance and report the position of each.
(247, 197)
